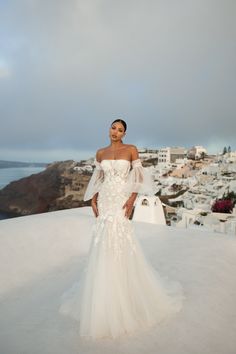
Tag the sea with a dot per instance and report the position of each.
(10, 174)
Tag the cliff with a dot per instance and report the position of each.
(60, 186)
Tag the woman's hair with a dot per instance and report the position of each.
(122, 122)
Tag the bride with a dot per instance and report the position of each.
(120, 293)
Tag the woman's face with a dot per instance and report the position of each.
(117, 131)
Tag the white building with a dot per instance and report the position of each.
(149, 209)
(145, 153)
(88, 168)
(171, 154)
(212, 169)
(229, 157)
(196, 152)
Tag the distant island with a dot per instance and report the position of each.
(9, 164)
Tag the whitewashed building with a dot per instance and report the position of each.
(171, 154)
(149, 209)
(196, 152)
(229, 157)
(145, 153)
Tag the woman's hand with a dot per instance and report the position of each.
(94, 205)
(128, 206)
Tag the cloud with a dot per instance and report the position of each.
(45, 155)
(166, 67)
(4, 70)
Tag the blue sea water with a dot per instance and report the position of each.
(8, 175)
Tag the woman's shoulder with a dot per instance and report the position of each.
(132, 151)
(130, 147)
(99, 154)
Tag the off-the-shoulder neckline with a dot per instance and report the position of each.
(118, 160)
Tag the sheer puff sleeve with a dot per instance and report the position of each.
(140, 180)
(95, 181)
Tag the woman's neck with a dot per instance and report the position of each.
(116, 145)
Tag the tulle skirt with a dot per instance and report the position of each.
(119, 292)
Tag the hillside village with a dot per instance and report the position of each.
(189, 181)
(190, 184)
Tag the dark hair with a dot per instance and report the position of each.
(122, 122)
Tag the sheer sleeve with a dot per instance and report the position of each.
(140, 180)
(95, 181)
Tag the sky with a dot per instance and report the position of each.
(69, 68)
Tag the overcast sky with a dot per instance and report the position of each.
(69, 68)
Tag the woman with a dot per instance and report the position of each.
(120, 293)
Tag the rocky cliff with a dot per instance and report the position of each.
(60, 186)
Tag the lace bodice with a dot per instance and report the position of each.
(123, 175)
(115, 170)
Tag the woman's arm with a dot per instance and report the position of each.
(94, 204)
(130, 202)
(95, 197)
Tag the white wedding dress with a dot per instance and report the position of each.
(120, 293)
